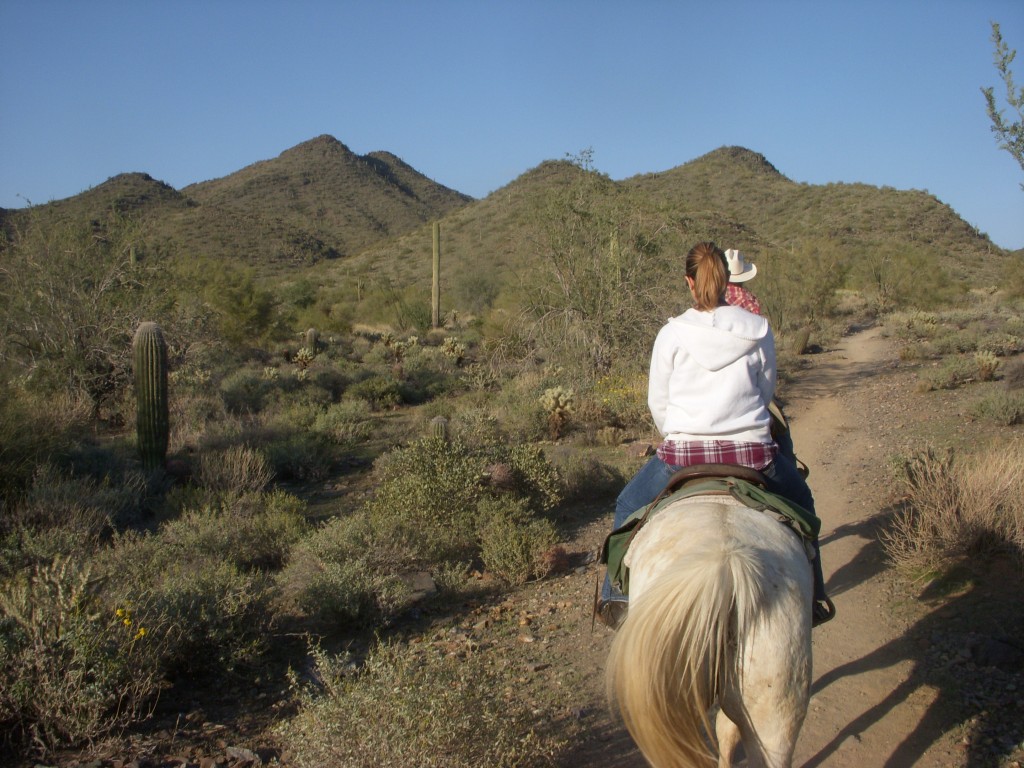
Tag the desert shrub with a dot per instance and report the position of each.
(427, 492)
(915, 351)
(913, 324)
(332, 381)
(251, 531)
(405, 706)
(298, 456)
(475, 427)
(58, 498)
(34, 430)
(953, 372)
(245, 391)
(584, 477)
(1001, 344)
(220, 615)
(72, 667)
(234, 471)
(512, 540)
(346, 423)
(1013, 375)
(213, 616)
(624, 394)
(381, 393)
(426, 498)
(958, 508)
(342, 573)
(956, 342)
(1006, 408)
(23, 547)
(533, 476)
(70, 298)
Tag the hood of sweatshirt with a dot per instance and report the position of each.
(719, 338)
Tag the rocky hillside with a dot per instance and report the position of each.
(317, 200)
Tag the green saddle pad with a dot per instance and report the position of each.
(616, 544)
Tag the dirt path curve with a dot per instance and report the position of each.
(867, 710)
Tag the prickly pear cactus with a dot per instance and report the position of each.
(149, 355)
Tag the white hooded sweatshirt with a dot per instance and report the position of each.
(713, 376)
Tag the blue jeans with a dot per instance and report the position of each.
(783, 479)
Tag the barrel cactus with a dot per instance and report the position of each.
(149, 352)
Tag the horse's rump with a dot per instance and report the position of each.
(719, 614)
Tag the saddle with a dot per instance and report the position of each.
(746, 485)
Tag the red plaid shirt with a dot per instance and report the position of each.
(739, 296)
(684, 453)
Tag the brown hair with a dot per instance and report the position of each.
(706, 265)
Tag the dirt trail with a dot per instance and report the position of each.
(866, 708)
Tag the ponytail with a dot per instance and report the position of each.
(706, 265)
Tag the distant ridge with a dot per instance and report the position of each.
(319, 201)
(316, 200)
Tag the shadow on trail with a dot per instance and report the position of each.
(869, 561)
(973, 637)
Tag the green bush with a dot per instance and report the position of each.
(1006, 408)
(216, 616)
(346, 423)
(252, 531)
(245, 391)
(954, 372)
(33, 430)
(343, 574)
(404, 706)
(299, 456)
(512, 541)
(426, 498)
(72, 667)
(380, 392)
(585, 478)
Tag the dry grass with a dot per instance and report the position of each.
(959, 508)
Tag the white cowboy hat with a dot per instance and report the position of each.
(740, 270)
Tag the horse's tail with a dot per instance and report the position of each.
(673, 654)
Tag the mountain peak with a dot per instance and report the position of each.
(324, 144)
(746, 158)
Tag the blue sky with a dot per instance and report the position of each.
(473, 93)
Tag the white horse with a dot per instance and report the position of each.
(719, 615)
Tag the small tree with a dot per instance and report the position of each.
(1010, 133)
(597, 290)
(70, 295)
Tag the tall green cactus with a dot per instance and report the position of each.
(149, 353)
(435, 286)
(312, 340)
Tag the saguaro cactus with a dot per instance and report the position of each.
(439, 428)
(313, 340)
(149, 353)
(435, 287)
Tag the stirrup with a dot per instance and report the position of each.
(612, 613)
(822, 612)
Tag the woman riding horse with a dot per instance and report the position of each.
(712, 378)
